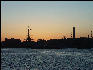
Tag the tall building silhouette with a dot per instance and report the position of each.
(73, 32)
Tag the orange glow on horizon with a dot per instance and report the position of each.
(36, 36)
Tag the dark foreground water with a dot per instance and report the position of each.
(46, 59)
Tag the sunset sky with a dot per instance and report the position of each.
(47, 19)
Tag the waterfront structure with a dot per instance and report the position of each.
(28, 36)
(73, 32)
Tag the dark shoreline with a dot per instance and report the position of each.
(79, 43)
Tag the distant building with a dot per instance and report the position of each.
(12, 39)
(12, 42)
(73, 32)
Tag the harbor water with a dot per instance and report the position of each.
(46, 59)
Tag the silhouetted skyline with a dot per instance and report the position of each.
(82, 42)
(48, 20)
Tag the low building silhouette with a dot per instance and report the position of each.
(11, 42)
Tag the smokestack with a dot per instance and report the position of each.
(88, 36)
(73, 32)
(91, 33)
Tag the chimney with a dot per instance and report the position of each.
(73, 32)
